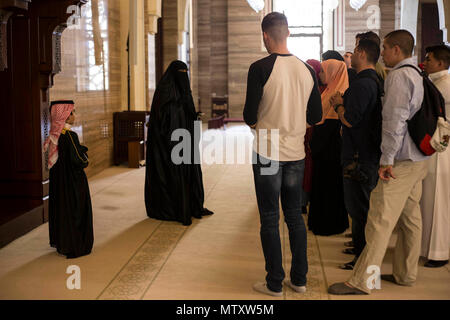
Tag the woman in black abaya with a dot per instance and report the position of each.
(173, 191)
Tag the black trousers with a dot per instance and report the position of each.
(357, 201)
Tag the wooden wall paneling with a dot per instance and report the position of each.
(24, 85)
(170, 31)
(244, 48)
(204, 55)
(387, 9)
(356, 22)
(430, 33)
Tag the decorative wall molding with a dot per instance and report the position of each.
(4, 17)
(154, 13)
(7, 8)
(339, 27)
(444, 19)
(56, 44)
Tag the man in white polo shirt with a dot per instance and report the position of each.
(282, 96)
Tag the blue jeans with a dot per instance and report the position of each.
(357, 202)
(286, 182)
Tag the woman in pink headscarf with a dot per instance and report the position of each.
(307, 175)
(327, 214)
(70, 209)
(316, 65)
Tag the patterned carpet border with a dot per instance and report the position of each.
(133, 281)
(316, 287)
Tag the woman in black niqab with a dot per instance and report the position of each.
(173, 192)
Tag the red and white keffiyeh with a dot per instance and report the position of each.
(60, 111)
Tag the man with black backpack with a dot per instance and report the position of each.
(360, 113)
(395, 200)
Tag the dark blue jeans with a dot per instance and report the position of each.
(357, 202)
(286, 182)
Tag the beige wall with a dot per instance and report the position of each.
(94, 108)
(244, 48)
(356, 22)
(211, 51)
(170, 32)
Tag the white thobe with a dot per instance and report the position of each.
(435, 202)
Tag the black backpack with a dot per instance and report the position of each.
(423, 124)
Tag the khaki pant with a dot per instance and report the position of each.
(394, 202)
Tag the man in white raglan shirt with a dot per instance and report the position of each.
(435, 202)
(283, 95)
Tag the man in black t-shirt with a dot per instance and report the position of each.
(360, 113)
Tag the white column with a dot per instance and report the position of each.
(137, 55)
(154, 12)
(408, 18)
(124, 29)
(444, 18)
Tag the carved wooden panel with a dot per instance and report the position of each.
(29, 57)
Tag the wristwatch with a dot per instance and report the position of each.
(336, 107)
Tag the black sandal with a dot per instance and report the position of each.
(348, 266)
(349, 244)
(349, 251)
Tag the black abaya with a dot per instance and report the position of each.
(70, 209)
(173, 192)
(327, 213)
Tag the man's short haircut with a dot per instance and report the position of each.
(371, 49)
(276, 26)
(370, 35)
(402, 38)
(440, 53)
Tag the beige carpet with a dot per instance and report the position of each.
(217, 257)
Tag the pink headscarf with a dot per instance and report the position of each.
(60, 111)
(336, 76)
(315, 64)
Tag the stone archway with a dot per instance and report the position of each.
(409, 10)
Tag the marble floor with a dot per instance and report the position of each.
(217, 257)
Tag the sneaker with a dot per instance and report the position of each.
(262, 288)
(299, 289)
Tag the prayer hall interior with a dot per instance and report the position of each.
(108, 57)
